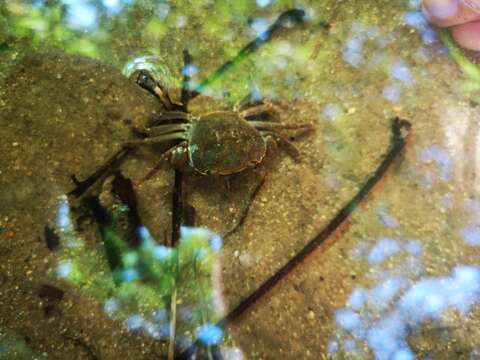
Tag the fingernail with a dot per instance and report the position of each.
(441, 9)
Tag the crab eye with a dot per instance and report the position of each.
(145, 80)
(142, 78)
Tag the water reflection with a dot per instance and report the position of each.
(353, 52)
(263, 3)
(441, 158)
(471, 235)
(81, 15)
(259, 26)
(386, 218)
(392, 93)
(400, 71)
(147, 279)
(417, 20)
(383, 317)
(115, 6)
(157, 67)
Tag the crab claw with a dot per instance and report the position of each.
(146, 81)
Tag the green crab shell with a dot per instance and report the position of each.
(222, 143)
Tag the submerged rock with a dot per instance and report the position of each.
(63, 115)
(60, 115)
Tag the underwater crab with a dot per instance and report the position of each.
(215, 143)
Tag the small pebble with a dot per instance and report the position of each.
(246, 259)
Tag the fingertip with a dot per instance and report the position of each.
(467, 35)
(438, 11)
(445, 13)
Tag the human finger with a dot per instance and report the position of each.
(467, 35)
(445, 13)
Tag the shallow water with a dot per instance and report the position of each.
(398, 279)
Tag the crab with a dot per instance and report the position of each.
(217, 142)
(214, 143)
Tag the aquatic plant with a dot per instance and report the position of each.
(155, 290)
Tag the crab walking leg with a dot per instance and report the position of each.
(145, 80)
(286, 144)
(163, 96)
(266, 125)
(156, 131)
(157, 139)
(266, 108)
(169, 116)
(166, 156)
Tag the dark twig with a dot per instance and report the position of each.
(178, 204)
(244, 213)
(186, 93)
(284, 21)
(177, 198)
(177, 207)
(400, 129)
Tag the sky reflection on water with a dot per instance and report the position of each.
(382, 317)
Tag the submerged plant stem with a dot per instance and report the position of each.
(295, 16)
(471, 70)
(173, 323)
(177, 207)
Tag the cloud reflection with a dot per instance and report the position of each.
(80, 14)
(380, 319)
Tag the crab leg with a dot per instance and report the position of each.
(266, 125)
(164, 158)
(145, 80)
(286, 144)
(266, 108)
(165, 129)
(170, 115)
(157, 139)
